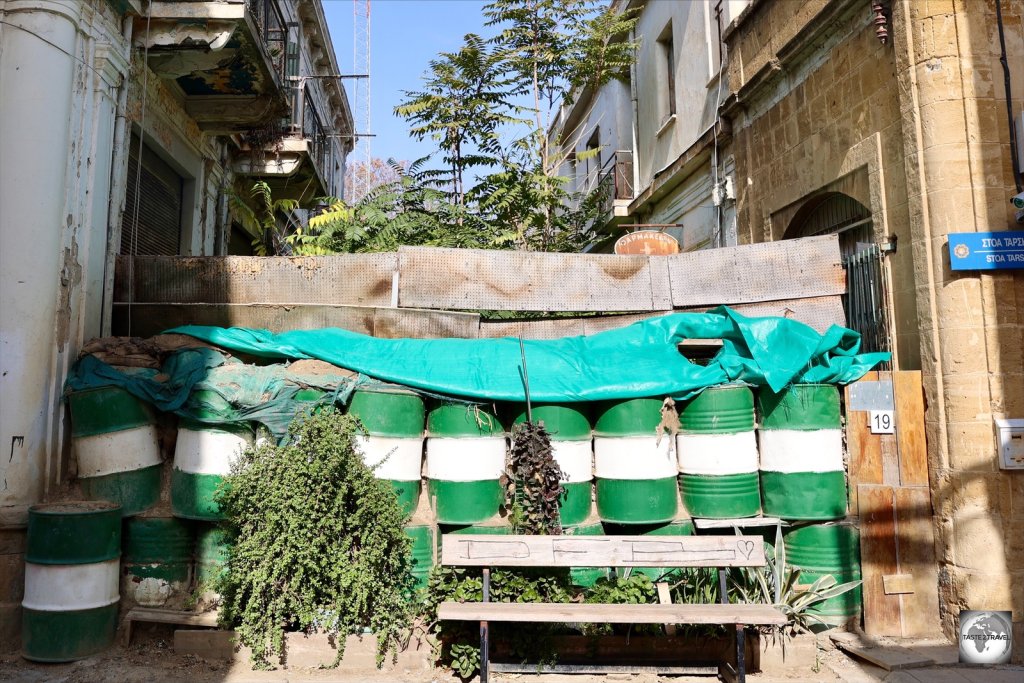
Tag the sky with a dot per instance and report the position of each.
(404, 36)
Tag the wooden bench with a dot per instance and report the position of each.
(608, 551)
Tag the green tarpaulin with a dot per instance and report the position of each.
(641, 360)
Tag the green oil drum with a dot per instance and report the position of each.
(679, 527)
(114, 438)
(717, 453)
(157, 559)
(393, 444)
(465, 460)
(586, 577)
(211, 554)
(203, 456)
(71, 580)
(422, 537)
(569, 426)
(801, 444)
(635, 471)
(827, 549)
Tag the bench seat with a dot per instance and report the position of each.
(753, 615)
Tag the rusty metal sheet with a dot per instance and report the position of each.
(347, 279)
(149, 319)
(474, 279)
(769, 271)
(819, 312)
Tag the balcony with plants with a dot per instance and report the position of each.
(294, 156)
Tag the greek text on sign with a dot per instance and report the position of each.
(882, 421)
(647, 243)
(986, 250)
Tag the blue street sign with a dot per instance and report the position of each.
(986, 250)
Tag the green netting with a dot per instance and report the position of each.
(641, 360)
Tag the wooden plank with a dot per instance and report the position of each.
(767, 271)
(610, 614)
(345, 279)
(916, 557)
(599, 669)
(478, 279)
(603, 551)
(863, 447)
(702, 523)
(890, 657)
(168, 616)
(897, 584)
(910, 435)
(150, 319)
(878, 558)
(665, 598)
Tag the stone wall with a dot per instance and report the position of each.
(916, 131)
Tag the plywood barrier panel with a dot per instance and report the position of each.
(144, 320)
(346, 279)
(769, 271)
(476, 279)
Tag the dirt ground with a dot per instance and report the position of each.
(152, 659)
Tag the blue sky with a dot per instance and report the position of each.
(405, 36)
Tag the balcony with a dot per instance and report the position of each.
(615, 182)
(227, 57)
(297, 160)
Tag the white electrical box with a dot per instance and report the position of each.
(1011, 444)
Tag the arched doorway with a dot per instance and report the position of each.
(866, 298)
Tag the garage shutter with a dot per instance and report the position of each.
(159, 192)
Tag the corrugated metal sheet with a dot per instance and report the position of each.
(473, 279)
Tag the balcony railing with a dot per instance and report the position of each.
(615, 181)
(306, 123)
(272, 30)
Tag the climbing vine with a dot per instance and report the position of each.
(316, 543)
(535, 480)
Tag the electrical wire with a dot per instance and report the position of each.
(133, 244)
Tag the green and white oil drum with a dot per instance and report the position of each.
(635, 471)
(71, 580)
(114, 438)
(717, 452)
(157, 560)
(422, 551)
(203, 456)
(393, 444)
(465, 461)
(801, 443)
(827, 549)
(211, 555)
(569, 427)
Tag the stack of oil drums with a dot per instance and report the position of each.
(737, 453)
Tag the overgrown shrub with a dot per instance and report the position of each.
(317, 543)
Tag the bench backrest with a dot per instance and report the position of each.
(602, 551)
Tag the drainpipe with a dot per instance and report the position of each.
(636, 119)
(118, 185)
(1009, 98)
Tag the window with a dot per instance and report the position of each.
(667, 70)
(160, 198)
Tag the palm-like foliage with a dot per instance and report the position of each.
(266, 217)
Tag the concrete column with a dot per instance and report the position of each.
(36, 94)
(972, 325)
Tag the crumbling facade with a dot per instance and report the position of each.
(126, 128)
